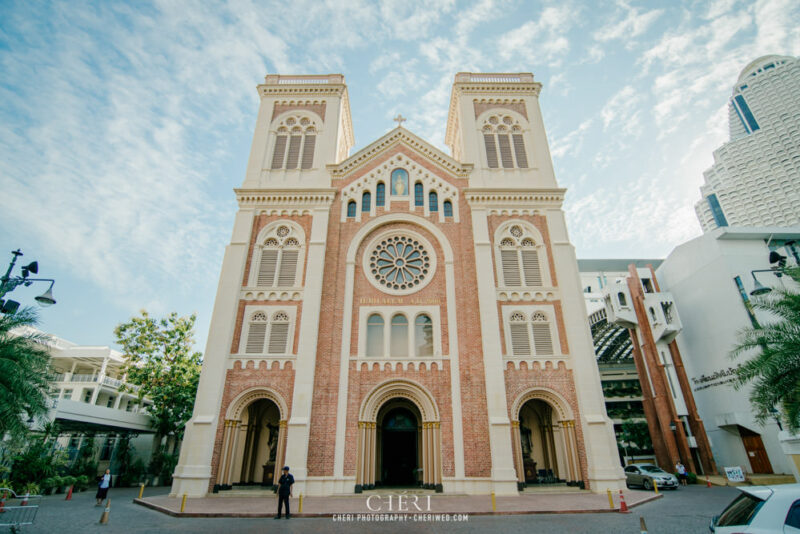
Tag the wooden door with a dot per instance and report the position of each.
(756, 453)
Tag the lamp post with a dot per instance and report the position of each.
(9, 283)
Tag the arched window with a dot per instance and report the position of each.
(520, 342)
(299, 135)
(380, 195)
(503, 133)
(542, 339)
(278, 333)
(399, 336)
(433, 201)
(534, 333)
(366, 199)
(423, 336)
(268, 336)
(399, 182)
(519, 259)
(419, 199)
(280, 254)
(375, 335)
(351, 208)
(448, 208)
(622, 300)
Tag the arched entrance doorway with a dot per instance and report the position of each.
(398, 435)
(544, 439)
(253, 441)
(399, 438)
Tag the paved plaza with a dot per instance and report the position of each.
(682, 511)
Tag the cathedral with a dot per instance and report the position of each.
(401, 316)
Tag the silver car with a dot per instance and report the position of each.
(645, 474)
(761, 509)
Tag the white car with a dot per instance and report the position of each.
(761, 509)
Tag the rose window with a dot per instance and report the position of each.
(400, 263)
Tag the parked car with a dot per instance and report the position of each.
(644, 475)
(761, 509)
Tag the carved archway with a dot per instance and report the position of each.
(542, 419)
(254, 433)
(430, 442)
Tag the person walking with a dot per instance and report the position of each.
(682, 475)
(284, 491)
(103, 483)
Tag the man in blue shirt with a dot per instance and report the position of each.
(284, 491)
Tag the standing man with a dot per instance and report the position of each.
(681, 469)
(284, 491)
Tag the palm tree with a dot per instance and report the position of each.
(24, 371)
(775, 370)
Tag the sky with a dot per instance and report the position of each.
(124, 127)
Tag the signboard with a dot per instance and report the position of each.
(734, 474)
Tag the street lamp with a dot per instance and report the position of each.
(9, 283)
(758, 287)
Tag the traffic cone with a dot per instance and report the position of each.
(69, 494)
(104, 517)
(25, 500)
(3, 503)
(642, 526)
(623, 508)
(708, 482)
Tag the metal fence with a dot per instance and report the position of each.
(13, 513)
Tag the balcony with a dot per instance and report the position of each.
(663, 316)
(619, 305)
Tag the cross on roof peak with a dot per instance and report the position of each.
(399, 119)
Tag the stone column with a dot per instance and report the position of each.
(224, 454)
(437, 455)
(518, 460)
(576, 457)
(300, 420)
(360, 449)
(280, 454)
(567, 454)
(371, 454)
(235, 432)
(503, 474)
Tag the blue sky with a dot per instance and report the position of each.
(124, 127)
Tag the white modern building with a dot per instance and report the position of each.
(596, 274)
(711, 278)
(755, 178)
(90, 401)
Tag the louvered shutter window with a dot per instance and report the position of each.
(288, 271)
(530, 266)
(491, 151)
(266, 269)
(542, 340)
(255, 337)
(520, 343)
(294, 151)
(278, 336)
(510, 263)
(280, 149)
(308, 151)
(519, 151)
(505, 151)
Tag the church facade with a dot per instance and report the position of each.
(399, 316)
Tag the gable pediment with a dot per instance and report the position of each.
(386, 144)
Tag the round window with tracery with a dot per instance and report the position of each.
(400, 263)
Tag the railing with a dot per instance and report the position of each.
(83, 378)
(303, 80)
(113, 382)
(59, 377)
(523, 77)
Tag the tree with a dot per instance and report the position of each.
(24, 371)
(775, 370)
(161, 362)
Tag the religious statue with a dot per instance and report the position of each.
(273, 441)
(525, 434)
(399, 182)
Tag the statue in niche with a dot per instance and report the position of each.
(525, 434)
(273, 441)
(400, 182)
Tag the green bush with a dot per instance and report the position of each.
(81, 482)
(692, 478)
(68, 481)
(5, 483)
(58, 483)
(30, 488)
(47, 486)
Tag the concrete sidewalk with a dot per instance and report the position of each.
(266, 506)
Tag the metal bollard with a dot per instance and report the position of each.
(494, 503)
(183, 502)
(141, 490)
(300, 506)
(655, 486)
(104, 517)
(610, 499)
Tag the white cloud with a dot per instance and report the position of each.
(633, 23)
(539, 41)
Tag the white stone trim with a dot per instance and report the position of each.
(365, 261)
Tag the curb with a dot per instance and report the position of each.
(263, 515)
